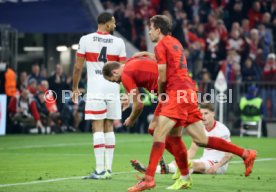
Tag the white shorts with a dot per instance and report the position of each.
(98, 109)
(209, 163)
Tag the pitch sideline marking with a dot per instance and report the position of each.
(115, 173)
(67, 144)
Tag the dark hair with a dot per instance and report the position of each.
(163, 23)
(104, 17)
(109, 67)
(208, 106)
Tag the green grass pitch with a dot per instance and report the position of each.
(55, 163)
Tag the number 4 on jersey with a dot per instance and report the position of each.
(102, 56)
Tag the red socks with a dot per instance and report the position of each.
(222, 145)
(157, 151)
(179, 153)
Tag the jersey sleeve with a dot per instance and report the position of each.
(122, 54)
(160, 54)
(128, 83)
(81, 49)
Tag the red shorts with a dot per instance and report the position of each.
(181, 106)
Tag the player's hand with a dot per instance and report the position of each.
(129, 122)
(75, 95)
(213, 169)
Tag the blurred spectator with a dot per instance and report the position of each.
(50, 119)
(245, 28)
(235, 42)
(10, 83)
(265, 40)
(23, 110)
(32, 86)
(213, 54)
(269, 72)
(254, 14)
(22, 80)
(231, 66)
(205, 83)
(269, 89)
(250, 71)
(43, 74)
(236, 12)
(57, 83)
(35, 74)
(254, 44)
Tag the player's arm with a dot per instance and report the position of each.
(137, 107)
(226, 158)
(162, 78)
(192, 150)
(76, 77)
(144, 53)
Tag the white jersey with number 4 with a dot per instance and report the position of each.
(98, 48)
(221, 131)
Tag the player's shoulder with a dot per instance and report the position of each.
(220, 126)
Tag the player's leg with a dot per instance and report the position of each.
(154, 121)
(181, 158)
(196, 131)
(109, 144)
(113, 113)
(165, 125)
(95, 110)
(99, 144)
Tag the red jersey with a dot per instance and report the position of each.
(169, 51)
(140, 72)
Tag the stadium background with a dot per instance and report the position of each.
(235, 36)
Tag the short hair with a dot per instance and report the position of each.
(104, 17)
(109, 67)
(163, 23)
(208, 106)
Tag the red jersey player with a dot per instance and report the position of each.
(180, 109)
(135, 73)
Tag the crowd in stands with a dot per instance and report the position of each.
(235, 36)
(34, 106)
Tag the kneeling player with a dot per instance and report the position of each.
(212, 161)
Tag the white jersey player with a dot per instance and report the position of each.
(212, 161)
(103, 97)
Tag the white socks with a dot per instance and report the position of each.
(109, 149)
(104, 144)
(172, 168)
(99, 148)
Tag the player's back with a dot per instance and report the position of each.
(98, 48)
(143, 71)
(170, 51)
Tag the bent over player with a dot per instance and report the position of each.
(103, 99)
